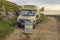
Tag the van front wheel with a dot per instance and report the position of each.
(34, 26)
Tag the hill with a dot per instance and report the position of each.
(9, 5)
(7, 17)
(8, 9)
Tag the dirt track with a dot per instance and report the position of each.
(44, 31)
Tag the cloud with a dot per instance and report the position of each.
(36, 2)
(22, 2)
(52, 2)
(52, 7)
(48, 4)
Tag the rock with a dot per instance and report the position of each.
(2, 13)
(11, 14)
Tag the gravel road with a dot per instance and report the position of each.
(44, 31)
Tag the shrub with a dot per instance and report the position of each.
(44, 17)
(5, 29)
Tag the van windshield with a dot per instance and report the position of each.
(28, 13)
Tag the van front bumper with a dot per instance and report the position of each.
(21, 22)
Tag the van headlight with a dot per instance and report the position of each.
(32, 21)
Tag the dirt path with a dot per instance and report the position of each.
(45, 31)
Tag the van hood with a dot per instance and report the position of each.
(32, 18)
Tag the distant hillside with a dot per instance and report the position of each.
(9, 5)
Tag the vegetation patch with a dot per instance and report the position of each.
(9, 5)
(6, 26)
(5, 29)
(57, 17)
(44, 17)
(12, 22)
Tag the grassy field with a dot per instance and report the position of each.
(6, 28)
(58, 18)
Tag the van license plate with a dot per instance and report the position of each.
(28, 27)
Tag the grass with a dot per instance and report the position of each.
(57, 18)
(5, 29)
(12, 21)
(44, 17)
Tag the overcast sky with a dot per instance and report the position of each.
(37, 2)
(48, 4)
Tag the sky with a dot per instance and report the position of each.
(49, 5)
(36, 2)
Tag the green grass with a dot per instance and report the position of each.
(5, 29)
(44, 17)
(12, 21)
(9, 5)
(57, 18)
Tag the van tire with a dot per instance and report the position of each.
(34, 26)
